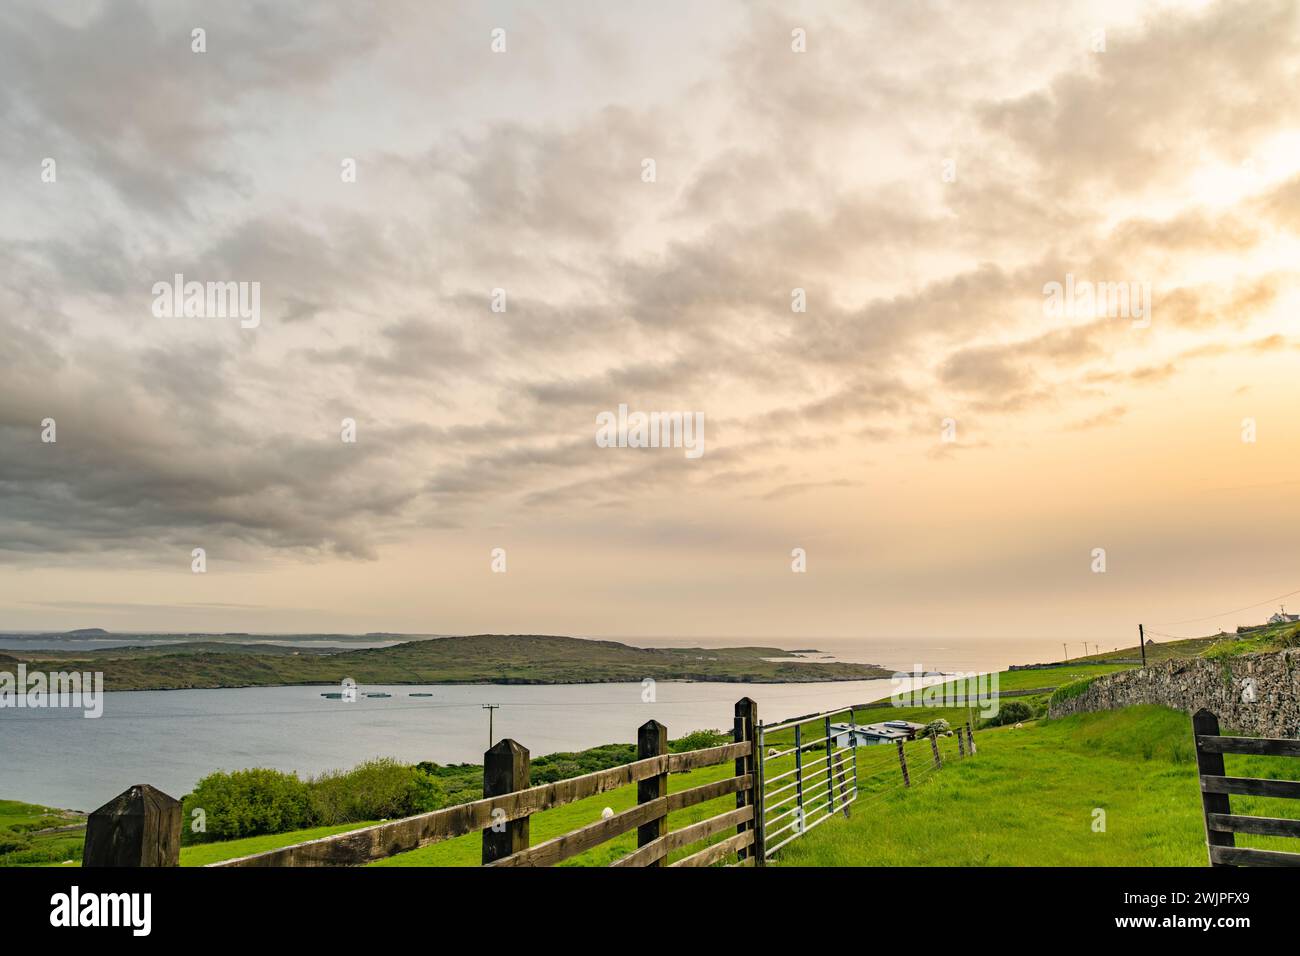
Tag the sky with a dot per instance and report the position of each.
(853, 237)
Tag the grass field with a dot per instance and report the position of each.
(1270, 638)
(22, 845)
(1028, 799)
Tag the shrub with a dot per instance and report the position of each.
(11, 842)
(375, 790)
(938, 726)
(699, 740)
(1010, 713)
(246, 803)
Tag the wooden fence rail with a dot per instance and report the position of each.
(1221, 824)
(139, 827)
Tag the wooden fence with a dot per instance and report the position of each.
(141, 827)
(1221, 824)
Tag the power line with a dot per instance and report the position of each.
(1211, 617)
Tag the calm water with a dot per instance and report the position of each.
(172, 738)
(932, 653)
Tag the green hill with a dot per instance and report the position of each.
(476, 659)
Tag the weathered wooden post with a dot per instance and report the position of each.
(970, 739)
(141, 826)
(744, 729)
(652, 741)
(505, 770)
(934, 747)
(902, 762)
(1206, 724)
(961, 745)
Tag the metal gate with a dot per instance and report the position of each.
(808, 768)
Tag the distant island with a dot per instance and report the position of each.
(191, 661)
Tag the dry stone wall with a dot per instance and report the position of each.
(1255, 694)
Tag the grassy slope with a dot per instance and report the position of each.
(1270, 638)
(205, 853)
(484, 658)
(466, 850)
(1055, 676)
(1028, 797)
(24, 818)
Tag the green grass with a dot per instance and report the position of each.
(467, 850)
(205, 853)
(15, 815)
(21, 845)
(1028, 797)
(1270, 638)
(1055, 676)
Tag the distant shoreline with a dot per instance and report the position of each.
(215, 662)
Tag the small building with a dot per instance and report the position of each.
(866, 735)
(1282, 617)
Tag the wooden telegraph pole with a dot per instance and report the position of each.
(491, 709)
(1142, 642)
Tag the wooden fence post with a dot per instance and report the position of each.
(934, 746)
(652, 741)
(902, 762)
(970, 739)
(1206, 724)
(141, 826)
(961, 746)
(505, 770)
(744, 729)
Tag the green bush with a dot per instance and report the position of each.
(253, 802)
(11, 842)
(246, 803)
(1009, 713)
(699, 740)
(376, 790)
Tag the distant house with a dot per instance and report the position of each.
(867, 735)
(1282, 617)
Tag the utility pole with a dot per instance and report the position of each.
(491, 709)
(1142, 642)
(1066, 650)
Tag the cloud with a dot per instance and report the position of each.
(777, 171)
